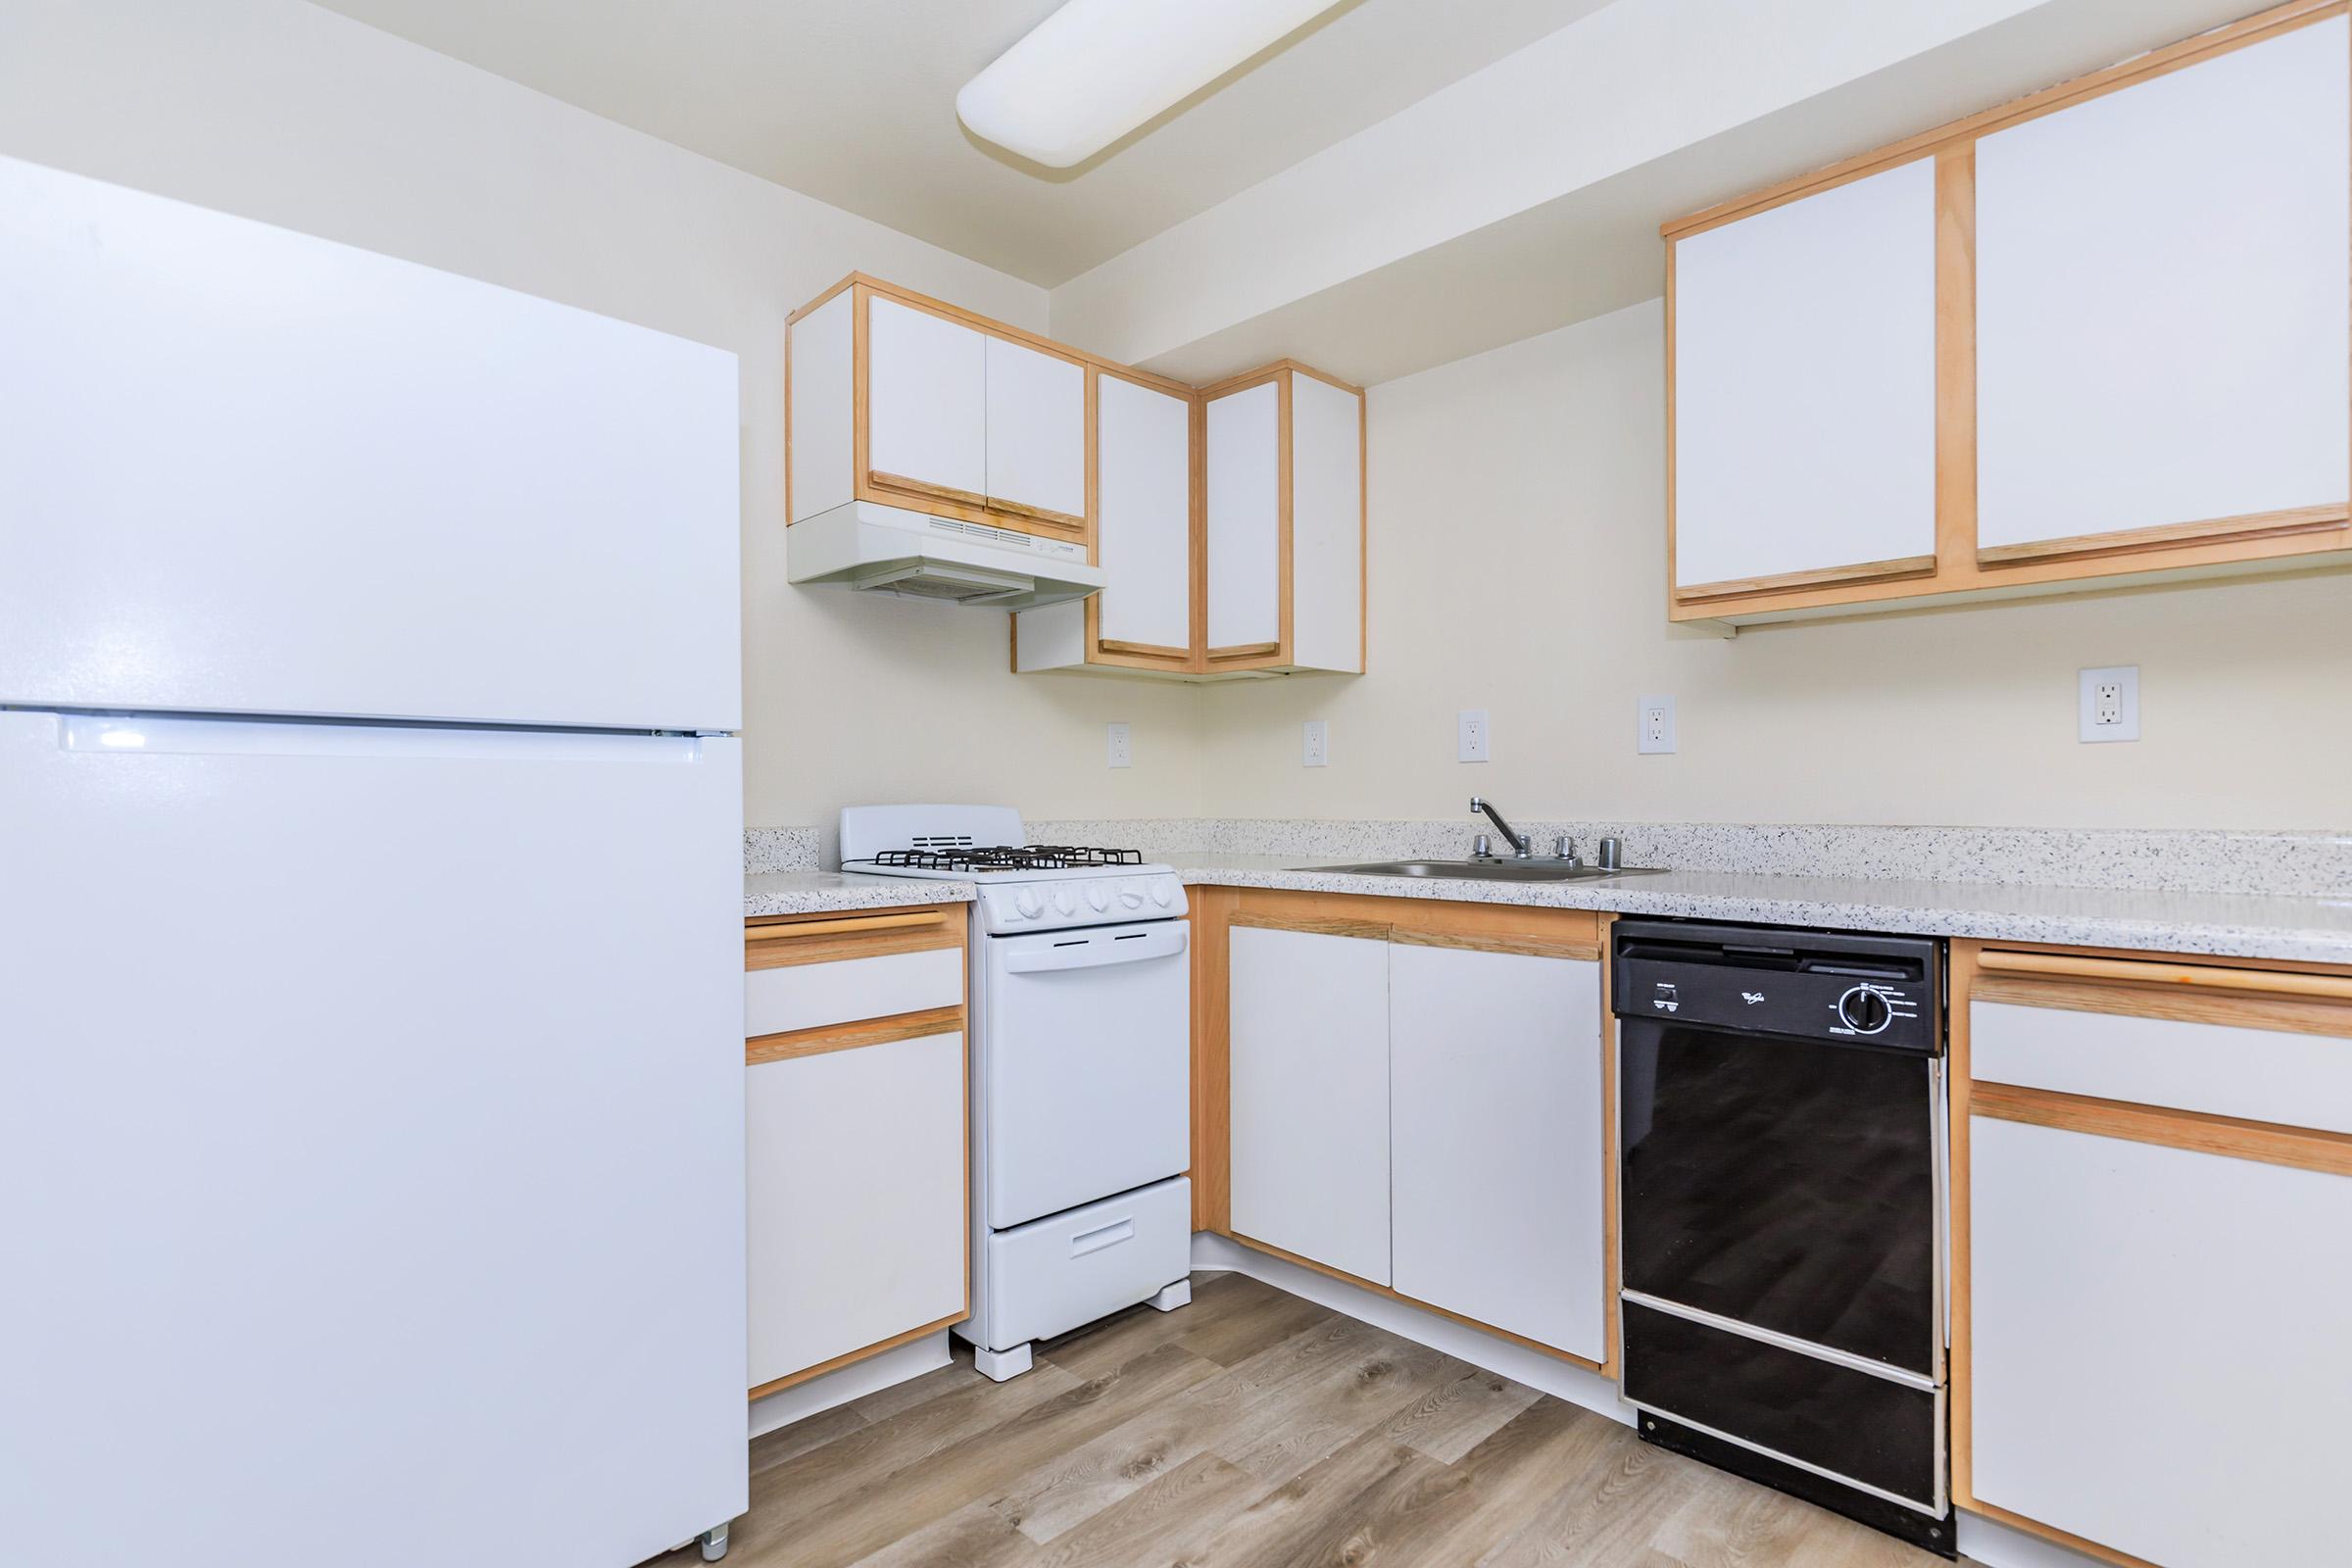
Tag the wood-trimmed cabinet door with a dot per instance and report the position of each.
(1144, 616)
(2164, 308)
(1308, 1036)
(1802, 354)
(926, 412)
(1283, 517)
(1036, 435)
(1498, 1134)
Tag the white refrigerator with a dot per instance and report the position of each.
(371, 979)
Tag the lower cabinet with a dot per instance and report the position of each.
(857, 1213)
(1417, 1100)
(2154, 1353)
(1311, 1096)
(1496, 1156)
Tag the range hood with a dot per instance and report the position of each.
(893, 551)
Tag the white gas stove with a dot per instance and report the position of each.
(1023, 886)
(1081, 1025)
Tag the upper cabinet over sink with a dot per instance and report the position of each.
(2101, 334)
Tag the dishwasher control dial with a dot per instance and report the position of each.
(1864, 1010)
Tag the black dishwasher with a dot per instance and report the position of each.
(1781, 1102)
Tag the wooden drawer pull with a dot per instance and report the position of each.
(1045, 514)
(908, 922)
(2270, 982)
(899, 482)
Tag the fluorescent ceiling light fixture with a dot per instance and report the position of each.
(1094, 69)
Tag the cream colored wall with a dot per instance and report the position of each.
(1517, 519)
(282, 111)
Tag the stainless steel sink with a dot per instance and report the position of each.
(1489, 870)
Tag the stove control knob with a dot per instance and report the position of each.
(1864, 1011)
(1131, 895)
(1028, 905)
(1063, 901)
(1159, 894)
(1098, 896)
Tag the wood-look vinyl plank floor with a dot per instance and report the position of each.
(1254, 1429)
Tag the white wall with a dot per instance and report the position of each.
(279, 111)
(1518, 564)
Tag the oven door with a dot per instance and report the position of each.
(1084, 1052)
(1785, 1183)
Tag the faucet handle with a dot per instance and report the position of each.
(1481, 847)
(1609, 849)
(1563, 848)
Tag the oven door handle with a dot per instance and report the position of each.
(1097, 949)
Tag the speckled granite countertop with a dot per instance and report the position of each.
(822, 892)
(2238, 925)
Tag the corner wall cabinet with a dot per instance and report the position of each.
(1229, 523)
(2152, 1194)
(2100, 335)
(1412, 1096)
(856, 1203)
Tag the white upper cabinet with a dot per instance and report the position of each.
(1036, 424)
(1804, 388)
(927, 401)
(2163, 329)
(1243, 501)
(1144, 489)
(1283, 508)
(1497, 1122)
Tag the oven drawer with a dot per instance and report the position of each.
(1889, 1436)
(1051, 1275)
(818, 995)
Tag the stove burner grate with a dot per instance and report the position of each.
(1006, 858)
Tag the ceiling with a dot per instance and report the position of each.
(852, 102)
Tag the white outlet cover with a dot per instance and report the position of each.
(1314, 744)
(1122, 751)
(1653, 725)
(1471, 735)
(2107, 703)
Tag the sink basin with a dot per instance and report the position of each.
(1532, 870)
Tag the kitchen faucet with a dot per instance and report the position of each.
(1517, 840)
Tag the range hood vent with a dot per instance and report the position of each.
(877, 549)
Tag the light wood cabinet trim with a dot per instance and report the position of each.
(1029, 514)
(1369, 930)
(1474, 942)
(2286, 1015)
(2164, 972)
(2032, 1526)
(1246, 650)
(1959, 572)
(1212, 912)
(1818, 576)
(840, 925)
(2230, 1137)
(923, 489)
(2139, 68)
(1394, 1294)
(1285, 596)
(854, 944)
(794, 1043)
(2251, 525)
(777, 1385)
(1611, 1241)
(1158, 651)
(1960, 976)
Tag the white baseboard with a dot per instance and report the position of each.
(852, 1382)
(1540, 1372)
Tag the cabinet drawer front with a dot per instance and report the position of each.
(814, 996)
(2158, 1354)
(2257, 1074)
(854, 1202)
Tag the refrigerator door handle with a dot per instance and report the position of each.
(137, 735)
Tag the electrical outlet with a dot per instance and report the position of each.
(1121, 754)
(1653, 725)
(2108, 700)
(1470, 735)
(1314, 744)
